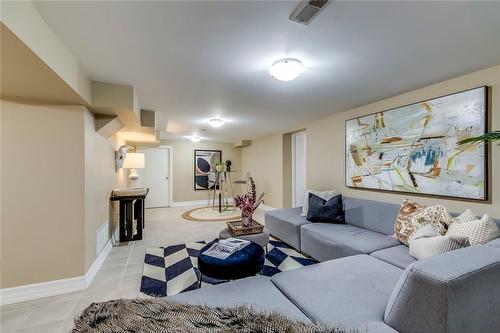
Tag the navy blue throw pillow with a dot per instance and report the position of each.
(331, 211)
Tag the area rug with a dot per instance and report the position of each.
(155, 316)
(173, 269)
(210, 214)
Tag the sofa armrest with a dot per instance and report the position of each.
(457, 291)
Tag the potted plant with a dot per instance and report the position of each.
(486, 138)
(248, 203)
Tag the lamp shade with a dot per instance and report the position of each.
(134, 161)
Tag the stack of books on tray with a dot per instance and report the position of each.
(225, 247)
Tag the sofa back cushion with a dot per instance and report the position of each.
(372, 215)
(453, 292)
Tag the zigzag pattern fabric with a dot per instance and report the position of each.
(173, 269)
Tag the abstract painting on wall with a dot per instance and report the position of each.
(413, 149)
(204, 163)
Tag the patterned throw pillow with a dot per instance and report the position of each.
(427, 242)
(403, 227)
(478, 231)
(436, 215)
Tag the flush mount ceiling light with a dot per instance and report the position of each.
(216, 122)
(286, 69)
(195, 138)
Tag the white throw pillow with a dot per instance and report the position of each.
(325, 195)
(466, 216)
(478, 231)
(427, 242)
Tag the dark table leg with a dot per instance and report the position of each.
(138, 213)
(122, 222)
(220, 203)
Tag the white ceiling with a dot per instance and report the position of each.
(191, 61)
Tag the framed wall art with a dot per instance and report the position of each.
(204, 163)
(413, 148)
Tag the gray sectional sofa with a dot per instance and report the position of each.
(367, 280)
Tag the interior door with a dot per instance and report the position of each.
(298, 168)
(155, 176)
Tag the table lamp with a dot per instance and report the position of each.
(134, 161)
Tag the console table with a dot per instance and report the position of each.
(131, 212)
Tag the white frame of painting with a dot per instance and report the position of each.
(485, 111)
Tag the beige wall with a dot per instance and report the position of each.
(183, 166)
(42, 193)
(264, 160)
(57, 174)
(100, 179)
(325, 143)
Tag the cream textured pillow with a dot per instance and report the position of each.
(466, 216)
(325, 195)
(427, 242)
(403, 228)
(436, 215)
(478, 231)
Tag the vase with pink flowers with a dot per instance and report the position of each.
(248, 203)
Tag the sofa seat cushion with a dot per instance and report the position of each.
(398, 256)
(351, 292)
(285, 224)
(325, 241)
(257, 291)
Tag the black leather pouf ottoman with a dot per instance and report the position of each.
(243, 263)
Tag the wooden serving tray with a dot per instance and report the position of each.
(236, 228)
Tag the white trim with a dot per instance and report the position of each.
(40, 290)
(189, 203)
(57, 287)
(195, 203)
(170, 172)
(294, 171)
(96, 266)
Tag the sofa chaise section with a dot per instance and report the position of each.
(285, 224)
(325, 241)
(257, 291)
(351, 292)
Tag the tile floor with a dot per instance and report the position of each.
(119, 276)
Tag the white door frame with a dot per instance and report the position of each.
(170, 173)
(293, 163)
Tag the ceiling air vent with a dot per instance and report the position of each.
(307, 11)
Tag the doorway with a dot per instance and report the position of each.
(157, 175)
(298, 168)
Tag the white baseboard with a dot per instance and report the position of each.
(40, 290)
(193, 203)
(189, 203)
(205, 202)
(56, 287)
(96, 266)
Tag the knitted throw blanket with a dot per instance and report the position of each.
(159, 316)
